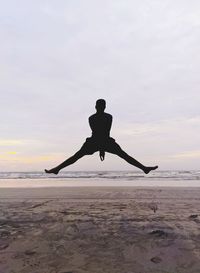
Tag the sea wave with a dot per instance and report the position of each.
(102, 175)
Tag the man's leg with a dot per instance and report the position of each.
(116, 149)
(67, 162)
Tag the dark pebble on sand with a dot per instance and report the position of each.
(156, 260)
(29, 252)
(3, 246)
(193, 216)
(159, 233)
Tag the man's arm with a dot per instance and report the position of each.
(110, 122)
(90, 122)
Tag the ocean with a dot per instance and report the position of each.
(177, 178)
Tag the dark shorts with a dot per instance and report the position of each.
(91, 146)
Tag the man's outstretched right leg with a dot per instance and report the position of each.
(67, 162)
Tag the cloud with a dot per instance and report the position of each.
(58, 58)
(187, 155)
(18, 142)
(174, 127)
(10, 142)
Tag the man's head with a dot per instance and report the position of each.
(100, 105)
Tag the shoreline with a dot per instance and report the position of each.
(68, 182)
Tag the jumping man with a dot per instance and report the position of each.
(100, 124)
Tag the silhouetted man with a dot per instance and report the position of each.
(100, 124)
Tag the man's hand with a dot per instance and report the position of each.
(102, 155)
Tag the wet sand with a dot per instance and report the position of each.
(100, 230)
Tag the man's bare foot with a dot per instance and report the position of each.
(148, 169)
(54, 170)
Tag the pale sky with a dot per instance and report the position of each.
(58, 57)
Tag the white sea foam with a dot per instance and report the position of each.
(100, 178)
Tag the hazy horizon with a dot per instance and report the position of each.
(58, 58)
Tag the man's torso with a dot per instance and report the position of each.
(100, 125)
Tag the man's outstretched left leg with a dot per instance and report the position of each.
(116, 149)
(67, 162)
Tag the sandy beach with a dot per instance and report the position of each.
(100, 230)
